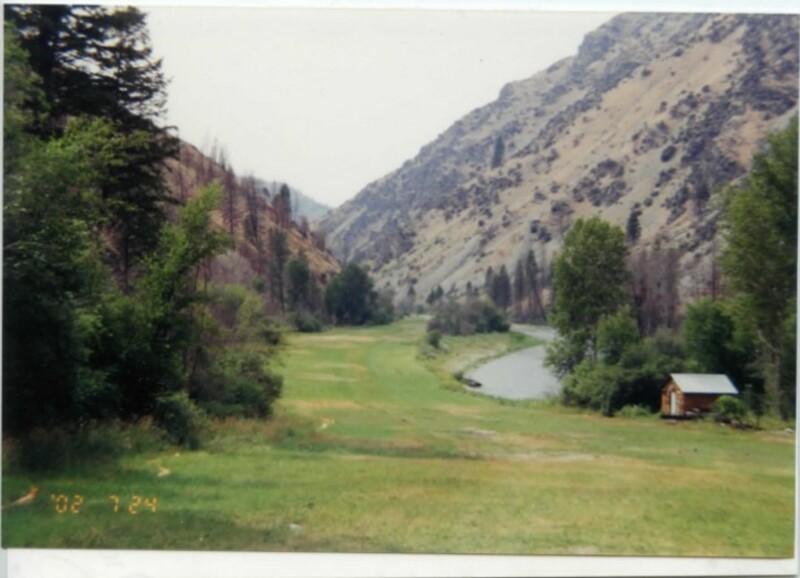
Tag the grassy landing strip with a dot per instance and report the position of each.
(376, 449)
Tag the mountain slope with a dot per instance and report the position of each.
(249, 214)
(654, 114)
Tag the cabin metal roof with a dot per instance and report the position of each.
(717, 384)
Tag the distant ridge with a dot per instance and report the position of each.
(302, 204)
(645, 124)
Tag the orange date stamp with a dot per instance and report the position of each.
(133, 505)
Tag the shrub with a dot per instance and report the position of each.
(730, 409)
(94, 443)
(434, 338)
(240, 384)
(453, 318)
(633, 412)
(182, 420)
(306, 322)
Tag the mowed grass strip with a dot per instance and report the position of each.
(386, 456)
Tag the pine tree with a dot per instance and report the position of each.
(279, 250)
(501, 289)
(97, 61)
(519, 293)
(498, 153)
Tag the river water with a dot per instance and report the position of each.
(519, 375)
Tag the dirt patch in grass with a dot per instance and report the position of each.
(529, 441)
(454, 409)
(478, 432)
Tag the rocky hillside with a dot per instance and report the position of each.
(645, 124)
(249, 212)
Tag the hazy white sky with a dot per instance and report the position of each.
(330, 100)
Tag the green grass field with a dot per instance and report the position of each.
(375, 448)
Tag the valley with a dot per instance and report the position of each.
(375, 449)
(469, 356)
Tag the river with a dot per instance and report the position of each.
(519, 375)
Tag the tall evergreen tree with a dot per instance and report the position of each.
(279, 250)
(498, 153)
(519, 292)
(532, 286)
(97, 61)
(501, 289)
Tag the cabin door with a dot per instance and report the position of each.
(673, 403)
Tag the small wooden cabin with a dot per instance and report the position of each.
(687, 393)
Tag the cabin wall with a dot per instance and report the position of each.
(686, 402)
(666, 394)
(703, 402)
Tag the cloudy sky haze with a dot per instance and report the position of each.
(330, 100)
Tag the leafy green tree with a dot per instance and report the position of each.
(635, 379)
(350, 299)
(760, 260)
(589, 283)
(615, 334)
(718, 344)
(149, 335)
(52, 277)
(348, 296)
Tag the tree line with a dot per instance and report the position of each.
(616, 349)
(110, 308)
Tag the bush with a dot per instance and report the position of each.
(730, 409)
(434, 338)
(306, 322)
(453, 318)
(95, 443)
(633, 412)
(240, 384)
(594, 385)
(182, 420)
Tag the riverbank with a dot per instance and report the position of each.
(519, 375)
